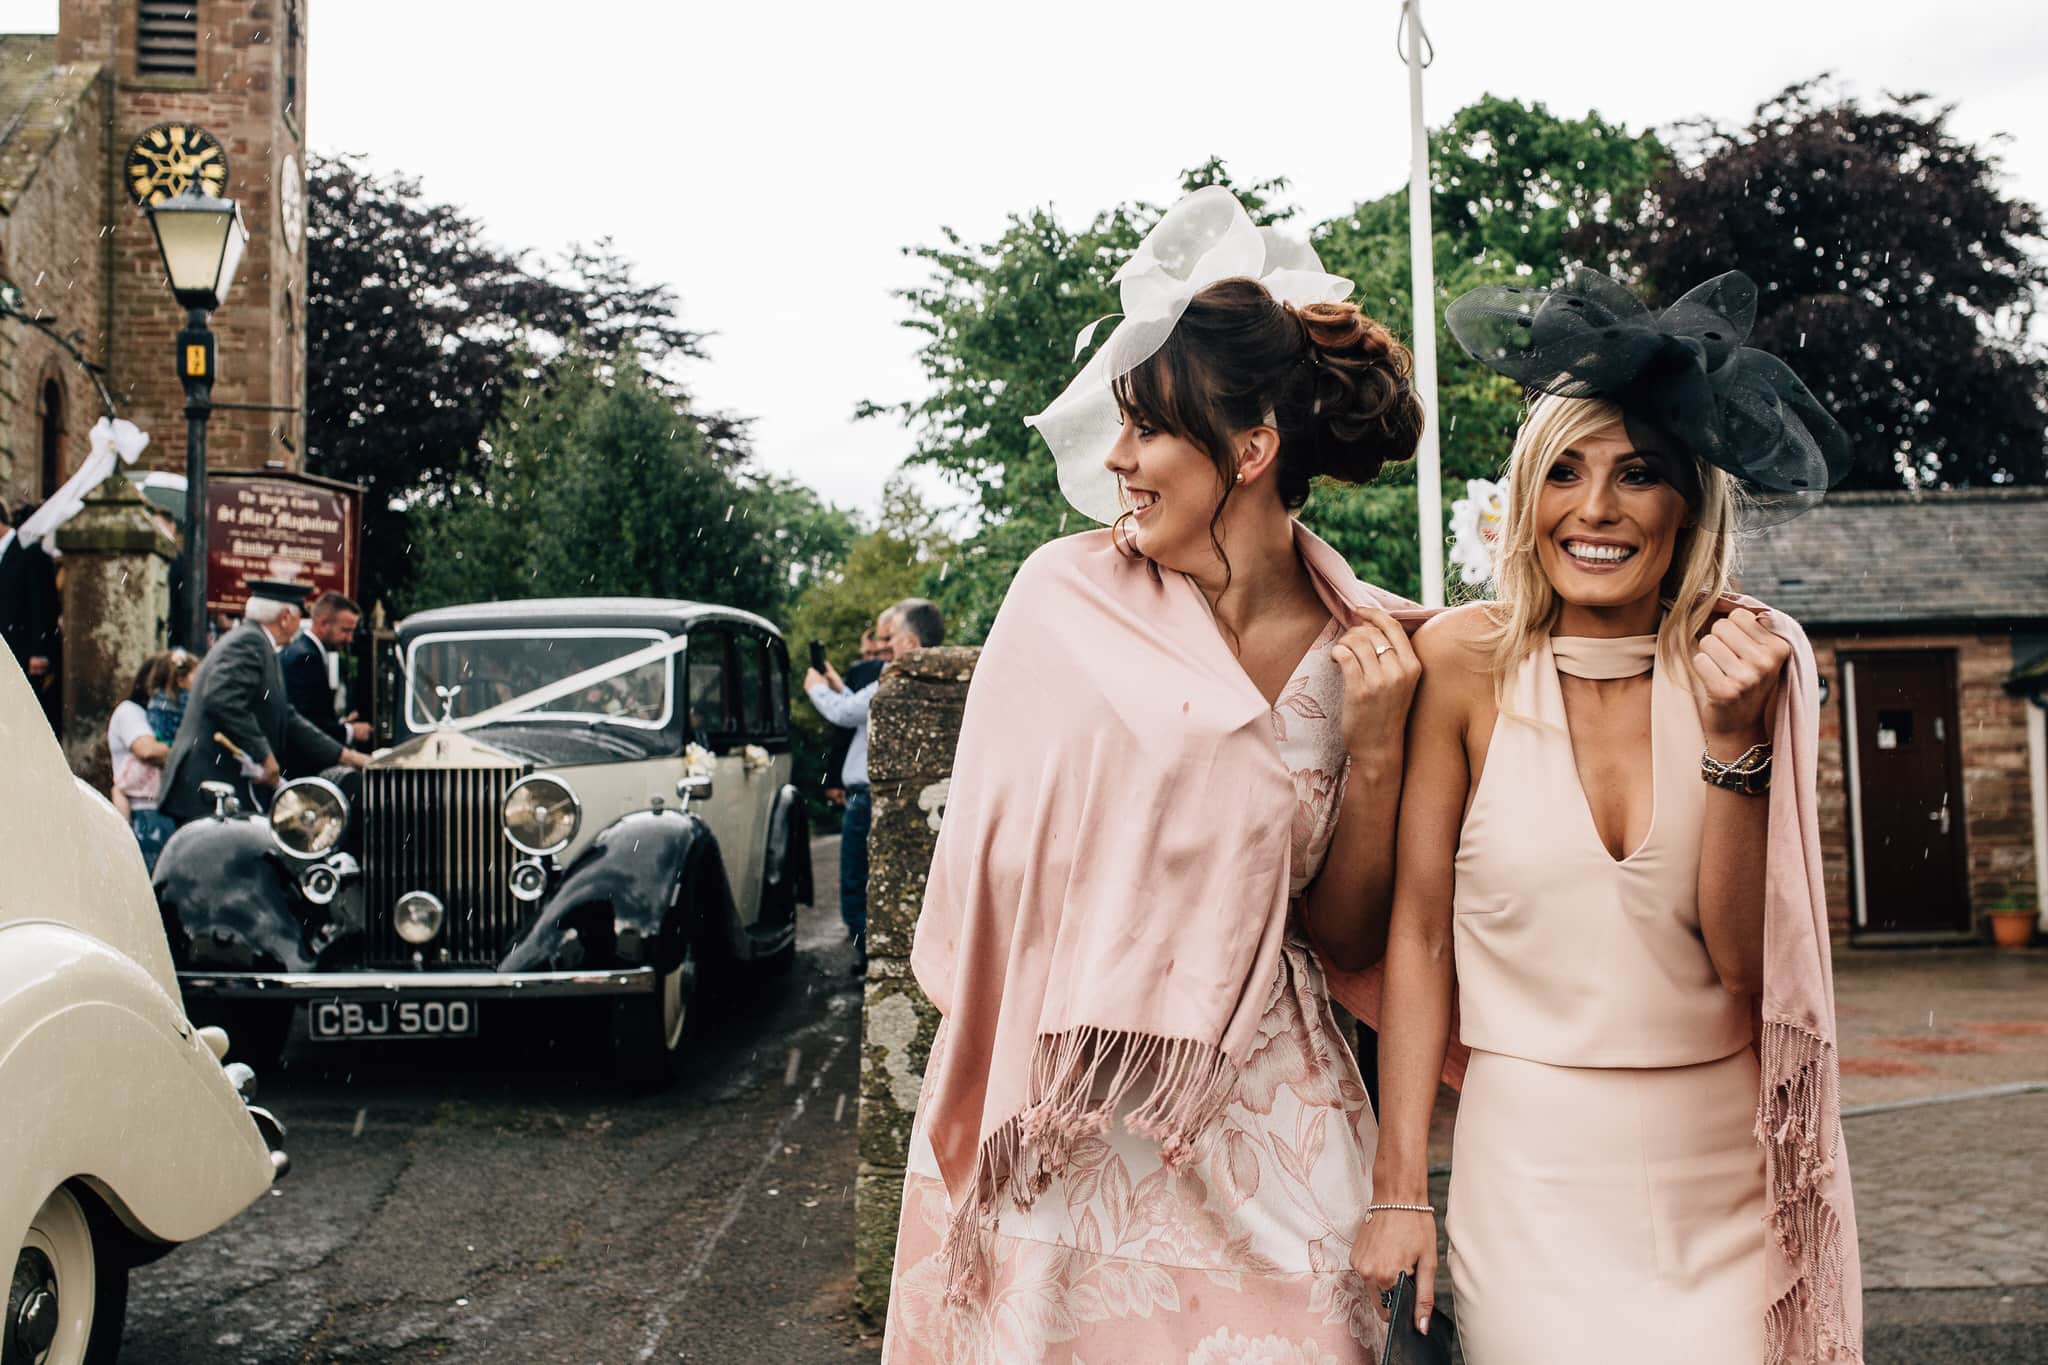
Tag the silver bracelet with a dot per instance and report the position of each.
(1401, 1208)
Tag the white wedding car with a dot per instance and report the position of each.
(121, 1132)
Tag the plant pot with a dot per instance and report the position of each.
(2012, 928)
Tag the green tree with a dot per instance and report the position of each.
(594, 481)
(417, 329)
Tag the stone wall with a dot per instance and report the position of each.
(913, 727)
(1997, 798)
(50, 247)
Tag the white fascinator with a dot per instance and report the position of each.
(1204, 238)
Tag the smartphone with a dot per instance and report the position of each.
(818, 655)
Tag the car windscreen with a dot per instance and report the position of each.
(455, 675)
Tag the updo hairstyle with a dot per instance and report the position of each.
(1333, 382)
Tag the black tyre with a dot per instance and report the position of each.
(649, 1031)
(68, 1295)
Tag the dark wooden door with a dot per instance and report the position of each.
(1910, 793)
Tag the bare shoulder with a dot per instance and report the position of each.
(1456, 638)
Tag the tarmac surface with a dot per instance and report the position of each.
(503, 1200)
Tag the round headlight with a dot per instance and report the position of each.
(308, 817)
(541, 815)
(417, 916)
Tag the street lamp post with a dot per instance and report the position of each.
(201, 238)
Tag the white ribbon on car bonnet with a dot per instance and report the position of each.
(1204, 238)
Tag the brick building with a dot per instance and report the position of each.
(1929, 617)
(83, 257)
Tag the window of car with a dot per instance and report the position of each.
(754, 672)
(712, 714)
(778, 684)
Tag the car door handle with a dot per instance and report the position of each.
(1942, 816)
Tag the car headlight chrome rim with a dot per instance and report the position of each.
(541, 815)
(308, 816)
(418, 917)
(320, 884)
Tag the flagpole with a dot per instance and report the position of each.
(1422, 276)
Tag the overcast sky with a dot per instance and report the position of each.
(770, 161)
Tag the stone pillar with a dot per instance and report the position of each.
(117, 609)
(912, 730)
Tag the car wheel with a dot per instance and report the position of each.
(778, 906)
(648, 1031)
(69, 1292)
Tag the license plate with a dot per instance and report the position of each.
(333, 1020)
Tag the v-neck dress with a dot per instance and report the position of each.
(1607, 1194)
(1242, 1254)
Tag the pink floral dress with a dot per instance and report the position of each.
(1243, 1255)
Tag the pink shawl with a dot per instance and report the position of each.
(1815, 1281)
(1109, 893)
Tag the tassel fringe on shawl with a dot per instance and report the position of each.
(1079, 1081)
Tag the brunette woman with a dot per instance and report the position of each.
(1628, 1182)
(1142, 1136)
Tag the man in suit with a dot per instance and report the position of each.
(28, 603)
(309, 678)
(239, 695)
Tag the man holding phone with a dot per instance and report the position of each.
(911, 624)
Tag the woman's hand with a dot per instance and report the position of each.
(1380, 673)
(1394, 1242)
(1739, 664)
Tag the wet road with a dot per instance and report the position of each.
(503, 1200)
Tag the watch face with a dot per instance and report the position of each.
(169, 157)
(291, 203)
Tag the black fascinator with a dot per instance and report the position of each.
(1681, 375)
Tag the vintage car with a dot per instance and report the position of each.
(121, 1132)
(588, 798)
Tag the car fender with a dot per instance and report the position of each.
(108, 1083)
(227, 899)
(789, 843)
(636, 866)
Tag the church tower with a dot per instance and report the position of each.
(237, 69)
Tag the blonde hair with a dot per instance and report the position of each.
(1702, 559)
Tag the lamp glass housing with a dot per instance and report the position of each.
(202, 239)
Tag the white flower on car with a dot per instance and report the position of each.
(754, 758)
(1476, 521)
(697, 760)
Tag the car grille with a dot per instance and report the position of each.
(439, 830)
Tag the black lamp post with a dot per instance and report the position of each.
(201, 238)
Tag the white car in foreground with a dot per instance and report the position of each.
(122, 1133)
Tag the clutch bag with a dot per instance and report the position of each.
(1405, 1345)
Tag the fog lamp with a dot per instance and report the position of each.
(529, 881)
(308, 816)
(417, 917)
(541, 815)
(320, 885)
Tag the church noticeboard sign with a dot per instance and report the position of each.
(275, 524)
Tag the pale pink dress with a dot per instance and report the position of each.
(1241, 1256)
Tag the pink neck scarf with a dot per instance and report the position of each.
(1109, 894)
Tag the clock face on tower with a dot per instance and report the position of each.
(291, 202)
(169, 157)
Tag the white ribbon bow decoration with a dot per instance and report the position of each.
(111, 439)
(1204, 238)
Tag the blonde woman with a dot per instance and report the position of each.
(1591, 818)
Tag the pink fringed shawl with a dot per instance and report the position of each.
(1109, 894)
(1815, 1312)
